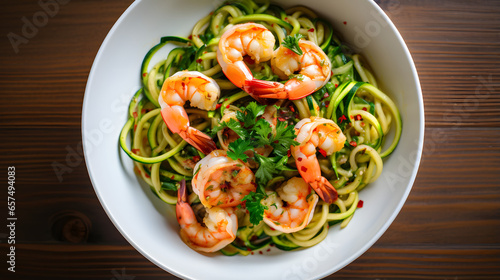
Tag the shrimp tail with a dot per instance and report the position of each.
(325, 190)
(178, 122)
(265, 89)
(182, 192)
(292, 90)
(199, 140)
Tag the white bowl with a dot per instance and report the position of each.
(150, 225)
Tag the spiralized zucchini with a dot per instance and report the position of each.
(351, 98)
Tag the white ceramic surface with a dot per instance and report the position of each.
(150, 225)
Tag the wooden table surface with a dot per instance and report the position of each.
(449, 227)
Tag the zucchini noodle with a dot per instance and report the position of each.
(351, 98)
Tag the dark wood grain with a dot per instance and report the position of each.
(449, 227)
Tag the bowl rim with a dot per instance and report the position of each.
(346, 261)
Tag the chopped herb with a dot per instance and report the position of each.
(197, 170)
(292, 43)
(255, 207)
(238, 148)
(235, 173)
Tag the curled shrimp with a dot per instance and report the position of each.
(250, 39)
(313, 133)
(221, 181)
(291, 207)
(202, 92)
(220, 228)
(314, 70)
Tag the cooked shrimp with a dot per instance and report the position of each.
(250, 39)
(202, 92)
(313, 67)
(291, 207)
(220, 228)
(311, 134)
(222, 181)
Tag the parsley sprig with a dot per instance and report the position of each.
(292, 43)
(255, 132)
(254, 206)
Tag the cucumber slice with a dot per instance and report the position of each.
(283, 243)
(230, 250)
(153, 50)
(328, 39)
(123, 144)
(263, 17)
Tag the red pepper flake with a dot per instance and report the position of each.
(227, 107)
(351, 116)
(342, 118)
(292, 109)
(275, 142)
(199, 60)
(364, 109)
(358, 117)
(362, 124)
(252, 253)
(225, 99)
(322, 152)
(336, 85)
(218, 106)
(281, 119)
(231, 200)
(248, 249)
(136, 151)
(135, 115)
(196, 158)
(172, 177)
(327, 103)
(143, 111)
(303, 168)
(289, 153)
(353, 143)
(345, 22)
(144, 74)
(268, 249)
(299, 159)
(311, 30)
(147, 176)
(135, 127)
(137, 170)
(260, 252)
(244, 204)
(286, 18)
(190, 37)
(360, 204)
